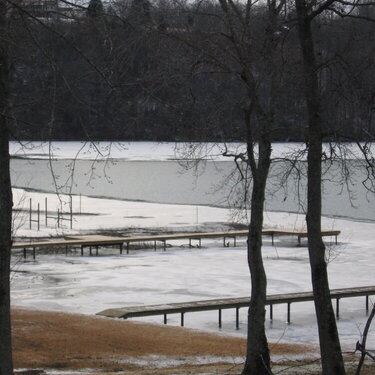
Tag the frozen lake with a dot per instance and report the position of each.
(163, 179)
(92, 284)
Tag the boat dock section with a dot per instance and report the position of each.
(234, 303)
(96, 241)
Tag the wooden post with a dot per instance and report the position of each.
(337, 308)
(237, 318)
(219, 318)
(127, 247)
(38, 216)
(34, 255)
(71, 212)
(121, 246)
(24, 253)
(288, 314)
(58, 218)
(271, 311)
(46, 210)
(367, 304)
(30, 213)
(165, 318)
(182, 319)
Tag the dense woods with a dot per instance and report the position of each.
(137, 70)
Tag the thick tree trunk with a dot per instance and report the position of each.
(258, 356)
(6, 364)
(332, 361)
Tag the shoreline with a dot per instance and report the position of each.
(90, 344)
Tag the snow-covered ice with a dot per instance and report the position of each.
(162, 150)
(91, 284)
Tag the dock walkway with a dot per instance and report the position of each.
(234, 303)
(96, 241)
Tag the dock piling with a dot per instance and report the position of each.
(271, 311)
(237, 318)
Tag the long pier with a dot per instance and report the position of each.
(96, 241)
(234, 303)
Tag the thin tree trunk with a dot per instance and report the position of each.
(258, 356)
(6, 364)
(331, 356)
(362, 346)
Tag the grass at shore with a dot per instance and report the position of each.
(68, 344)
(49, 340)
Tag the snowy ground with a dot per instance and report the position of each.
(91, 284)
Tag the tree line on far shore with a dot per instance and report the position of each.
(164, 71)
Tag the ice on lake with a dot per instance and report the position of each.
(91, 284)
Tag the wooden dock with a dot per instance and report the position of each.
(234, 303)
(96, 241)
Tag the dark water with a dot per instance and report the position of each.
(210, 184)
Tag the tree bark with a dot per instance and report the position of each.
(331, 356)
(257, 356)
(6, 363)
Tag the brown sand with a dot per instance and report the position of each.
(49, 340)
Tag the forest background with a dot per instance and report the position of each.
(164, 71)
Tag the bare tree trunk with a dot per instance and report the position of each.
(6, 363)
(258, 356)
(332, 361)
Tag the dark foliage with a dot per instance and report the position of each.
(137, 73)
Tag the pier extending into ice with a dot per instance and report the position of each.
(234, 303)
(96, 241)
